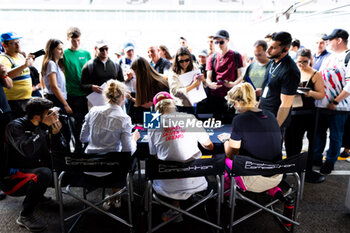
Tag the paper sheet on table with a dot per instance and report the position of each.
(195, 95)
(97, 99)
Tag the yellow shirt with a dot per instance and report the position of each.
(22, 84)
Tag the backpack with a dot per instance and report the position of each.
(13, 64)
(347, 58)
(213, 61)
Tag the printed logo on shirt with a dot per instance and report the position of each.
(151, 120)
(173, 133)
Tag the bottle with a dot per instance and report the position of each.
(288, 210)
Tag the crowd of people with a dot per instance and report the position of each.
(270, 100)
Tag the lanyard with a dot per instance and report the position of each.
(272, 71)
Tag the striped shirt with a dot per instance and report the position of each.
(336, 78)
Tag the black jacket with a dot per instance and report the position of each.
(29, 145)
(101, 73)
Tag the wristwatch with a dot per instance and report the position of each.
(335, 102)
(225, 140)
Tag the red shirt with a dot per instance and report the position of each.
(225, 70)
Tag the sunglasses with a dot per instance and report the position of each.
(103, 49)
(303, 62)
(220, 42)
(186, 60)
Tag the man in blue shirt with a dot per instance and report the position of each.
(160, 64)
(321, 53)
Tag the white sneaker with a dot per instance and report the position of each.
(118, 202)
(107, 204)
(31, 223)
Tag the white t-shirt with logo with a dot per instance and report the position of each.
(178, 144)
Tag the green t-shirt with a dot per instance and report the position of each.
(257, 74)
(73, 63)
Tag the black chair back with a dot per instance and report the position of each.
(247, 166)
(159, 169)
(80, 162)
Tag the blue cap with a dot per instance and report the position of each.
(129, 46)
(9, 36)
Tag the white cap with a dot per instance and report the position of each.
(101, 43)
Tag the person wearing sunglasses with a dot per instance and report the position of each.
(100, 70)
(223, 72)
(183, 63)
(311, 88)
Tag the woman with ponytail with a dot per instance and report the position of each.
(255, 133)
(108, 128)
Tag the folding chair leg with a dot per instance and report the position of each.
(185, 212)
(302, 183)
(139, 173)
(300, 190)
(149, 206)
(130, 198)
(59, 198)
(233, 193)
(219, 200)
(268, 210)
(75, 223)
(100, 210)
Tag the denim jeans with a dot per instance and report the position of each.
(335, 122)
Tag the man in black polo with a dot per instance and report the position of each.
(281, 79)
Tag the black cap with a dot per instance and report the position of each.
(222, 34)
(203, 53)
(337, 33)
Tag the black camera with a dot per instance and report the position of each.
(38, 53)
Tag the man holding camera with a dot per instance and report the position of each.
(28, 142)
(19, 72)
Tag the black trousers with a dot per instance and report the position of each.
(346, 135)
(295, 133)
(5, 118)
(31, 183)
(79, 107)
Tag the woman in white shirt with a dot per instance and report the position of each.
(176, 144)
(108, 128)
(183, 63)
(53, 76)
(55, 82)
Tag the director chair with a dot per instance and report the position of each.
(247, 166)
(159, 169)
(69, 166)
